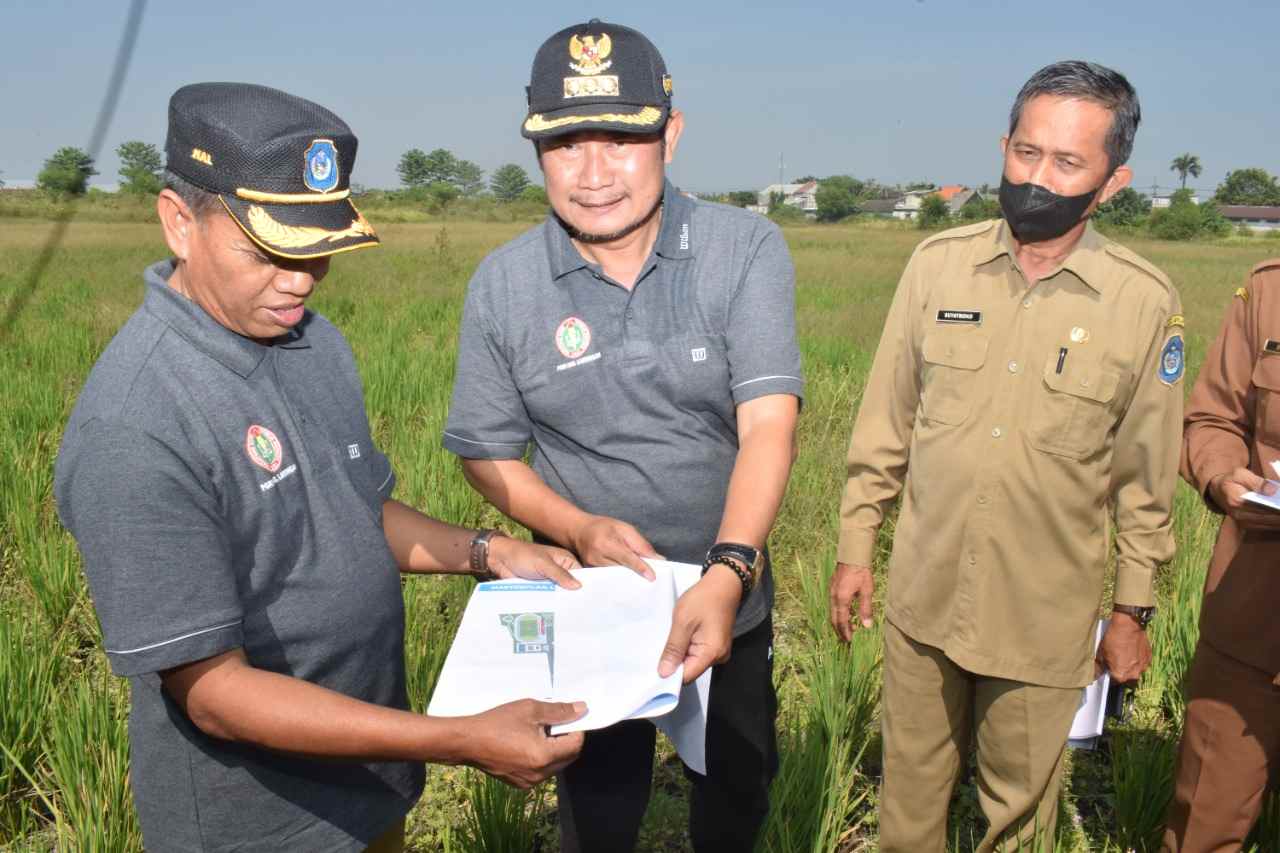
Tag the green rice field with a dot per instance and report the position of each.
(63, 740)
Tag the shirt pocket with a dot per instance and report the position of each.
(952, 362)
(696, 369)
(1072, 412)
(1266, 378)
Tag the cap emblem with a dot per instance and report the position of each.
(263, 448)
(320, 172)
(201, 156)
(590, 56)
(666, 84)
(573, 337)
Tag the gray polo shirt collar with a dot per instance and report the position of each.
(233, 351)
(674, 240)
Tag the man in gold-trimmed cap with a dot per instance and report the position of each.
(643, 343)
(236, 522)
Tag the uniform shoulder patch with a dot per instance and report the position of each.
(1175, 321)
(1172, 360)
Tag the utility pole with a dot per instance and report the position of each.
(780, 180)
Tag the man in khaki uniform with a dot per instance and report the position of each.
(1026, 387)
(1231, 738)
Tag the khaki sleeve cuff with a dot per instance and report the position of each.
(857, 546)
(1134, 586)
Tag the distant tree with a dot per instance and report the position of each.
(1126, 207)
(439, 195)
(508, 182)
(66, 172)
(838, 197)
(933, 212)
(806, 179)
(413, 168)
(777, 200)
(140, 165)
(1248, 186)
(534, 193)
(468, 178)
(1186, 164)
(920, 185)
(787, 214)
(741, 198)
(1183, 219)
(979, 208)
(1, 180)
(441, 165)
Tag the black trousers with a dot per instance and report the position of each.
(604, 793)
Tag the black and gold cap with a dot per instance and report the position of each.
(280, 164)
(597, 76)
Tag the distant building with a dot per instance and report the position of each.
(1257, 217)
(879, 206)
(804, 196)
(909, 205)
(1159, 201)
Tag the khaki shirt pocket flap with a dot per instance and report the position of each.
(1081, 379)
(966, 352)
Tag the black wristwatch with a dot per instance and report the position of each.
(726, 553)
(1143, 615)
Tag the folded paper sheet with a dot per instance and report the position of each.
(599, 644)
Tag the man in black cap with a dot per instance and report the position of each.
(236, 520)
(644, 343)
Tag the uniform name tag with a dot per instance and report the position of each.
(1271, 346)
(953, 316)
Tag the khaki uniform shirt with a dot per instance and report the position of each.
(1233, 421)
(1014, 420)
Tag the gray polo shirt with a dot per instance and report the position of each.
(628, 397)
(228, 494)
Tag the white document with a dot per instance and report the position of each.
(599, 644)
(1269, 501)
(1092, 712)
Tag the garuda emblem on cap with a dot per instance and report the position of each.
(321, 170)
(590, 55)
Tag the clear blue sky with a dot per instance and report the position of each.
(896, 90)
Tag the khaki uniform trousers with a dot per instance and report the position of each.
(1230, 741)
(391, 841)
(932, 710)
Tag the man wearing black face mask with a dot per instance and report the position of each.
(1027, 387)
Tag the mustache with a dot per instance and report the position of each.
(609, 237)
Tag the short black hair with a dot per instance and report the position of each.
(1092, 82)
(201, 201)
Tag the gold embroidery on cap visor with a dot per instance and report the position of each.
(277, 238)
(290, 198)
(647, 117)
(583, 87)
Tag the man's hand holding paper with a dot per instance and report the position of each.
(1248, 498)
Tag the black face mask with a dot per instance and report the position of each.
(1035, 213)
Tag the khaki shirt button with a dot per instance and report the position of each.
(1026, 303)
(972, 559)
(1013, 367)
(982, 499)
(1084, 383)
(996, 433)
